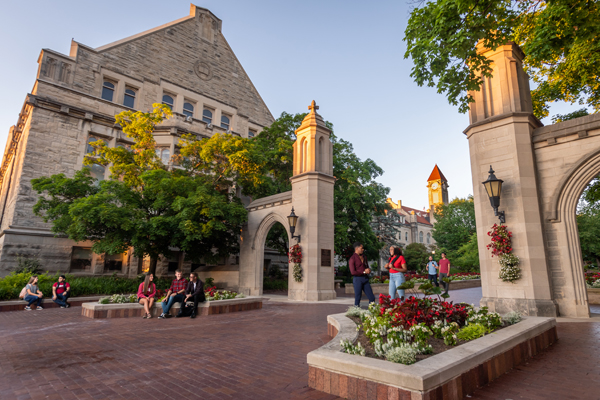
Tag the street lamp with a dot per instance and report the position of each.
(293, 220)
(493, 187)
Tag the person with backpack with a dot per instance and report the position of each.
(61, 291)
(33, 294)
(397, 267)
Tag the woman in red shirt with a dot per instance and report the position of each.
(397, 267)
(145, 294)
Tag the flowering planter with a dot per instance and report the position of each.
(383, 288)
(127, 310)
(450, 375)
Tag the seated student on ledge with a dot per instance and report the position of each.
(33, 294)
(174, 295)
(61, 291)
(146, 293)
(194, 292)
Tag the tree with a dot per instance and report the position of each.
(146, 205)
(467, 255)
(588, 223)
(357, 196)
(559, 39)
(454, 225)
(416, 256)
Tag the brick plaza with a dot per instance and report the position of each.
(258, 354)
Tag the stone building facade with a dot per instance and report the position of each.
(186, 64)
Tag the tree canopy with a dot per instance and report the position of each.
(560, 39)
(455, 228)
(588, 224)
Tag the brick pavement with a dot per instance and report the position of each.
(259, 354)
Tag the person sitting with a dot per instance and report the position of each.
(33, 294)
(61, 291)
(146, 293)
(175, 294)
(194, 292)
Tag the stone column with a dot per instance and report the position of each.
(499, 134)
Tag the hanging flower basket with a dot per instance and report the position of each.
(509, 268)
(501, 246)
(296, 259)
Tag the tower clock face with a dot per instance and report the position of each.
(434, 186)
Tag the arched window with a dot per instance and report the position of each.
(129, 99)
(108, 90)
(321, 160)
(224, 122)
(168, 101)
(305, 155)
(420, 237)
(164, 155)
(207, 116)
(406, 236)
(188, 109)
(97, 172)
(92, 139)
(428, 237)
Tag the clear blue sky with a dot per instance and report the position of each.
(346, 55)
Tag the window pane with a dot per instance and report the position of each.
(81, 259)
(97, 172)
(113, 262)
(224, 122)
(168, 100)
(91, 139)
(188, 107)
(166, 156)
(251, 134)
(129, 101)
(207, 116)
(108, 90)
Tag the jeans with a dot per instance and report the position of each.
(362, 283)
(33, 299)
(433, 279)
(196, 299)
(61, 299)
(396, 280)
(166, 306)
(446, 284)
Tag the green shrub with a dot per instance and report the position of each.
(404, 354)
(471, 331)
(28, 264)
(512, 317)
(271, 284)
(209, 282)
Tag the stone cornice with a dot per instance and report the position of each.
(536, 123)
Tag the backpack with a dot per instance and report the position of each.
(23, 292)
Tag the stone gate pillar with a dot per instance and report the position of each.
(499, 134)
(312, 198)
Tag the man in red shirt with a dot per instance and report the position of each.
(444, 271)
(61, 291)
(174, 295)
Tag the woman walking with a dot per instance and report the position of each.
(397, 267)
(34, 295)
(146, 292)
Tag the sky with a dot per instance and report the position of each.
(345, 55)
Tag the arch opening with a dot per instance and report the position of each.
(275, 259)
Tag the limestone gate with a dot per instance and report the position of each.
(545, 169)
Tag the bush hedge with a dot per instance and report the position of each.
(11, 285)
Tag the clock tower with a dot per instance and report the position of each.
(438, 188)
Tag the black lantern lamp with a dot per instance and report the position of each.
(293, 220)
(493, 187)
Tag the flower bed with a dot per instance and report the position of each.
(408, 331)
(592, 279)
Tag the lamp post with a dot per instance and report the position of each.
(293, 220)
(493, 187)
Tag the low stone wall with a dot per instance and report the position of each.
(451, 375)
(593, 296)
(128, 310)
(383, 288)
(18, 305)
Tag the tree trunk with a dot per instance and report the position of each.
(597, 262)
(152, 268)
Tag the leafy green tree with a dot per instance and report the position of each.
(454, 225)
(582, 112)
(559, 39)
(588, 223)
(146, 205)
(416, 256)
(467, 255)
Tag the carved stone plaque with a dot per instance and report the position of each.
(325, 258)
(203, 70)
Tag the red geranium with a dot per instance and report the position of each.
(501, 242)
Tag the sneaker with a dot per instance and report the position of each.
(67, 305)
(39, 308)
(63, 307)
(162, 316)
(168, 316)
(27, 308)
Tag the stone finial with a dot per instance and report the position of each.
(313, 107)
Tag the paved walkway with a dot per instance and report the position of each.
(260, 354)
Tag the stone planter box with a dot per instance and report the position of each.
(451, 375)
(383, 288)
(593, 296)
(127, 310)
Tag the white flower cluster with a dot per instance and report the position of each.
(596, 284)
(403, 354)
(481, 316)
(349, 348)
(512, 317)
(509, 273)
(354, 311)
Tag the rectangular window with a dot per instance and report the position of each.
(81, 259)
(108, 90)
(113, 262)
(174, 261)
(207, 116)
(129, 99)
(188, 109)
(251, 133)
(168, 101)
(225, 122)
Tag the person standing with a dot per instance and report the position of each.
(195, 292)
(33, 294)
(397, 267)
(433, 267)
(359, 268)
(444, 272)
(146, 293)
(387, 265)
(174, 295)
(61, 291)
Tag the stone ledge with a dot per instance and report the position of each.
(593, 295)
(18, 305)
(128, 310)
(383, 288)
(449, 375)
